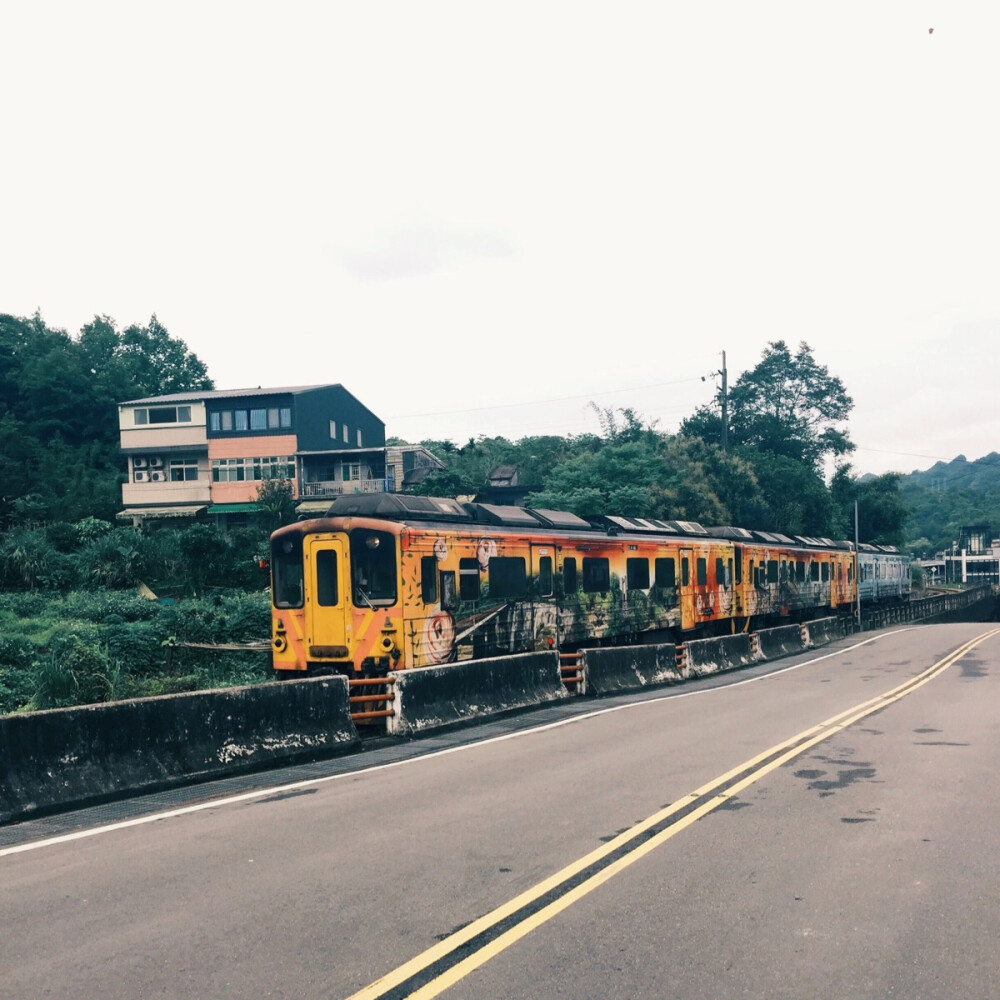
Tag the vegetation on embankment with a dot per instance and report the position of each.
(82, 647)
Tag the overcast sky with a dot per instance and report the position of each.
(482, 218)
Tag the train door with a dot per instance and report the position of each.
(544, 624)
(326, 620)
(687, 590)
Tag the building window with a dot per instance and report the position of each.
(359, 437)
(183, 470)
(215, 421)
(239, 470)
(272, 417)
(162, 415)
(258, 420)
(285, 416)
(347, 440)
(242, 420)
(353, 471)
(333, 430)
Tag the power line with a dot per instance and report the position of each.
(540, 402)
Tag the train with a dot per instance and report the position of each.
(386, 581)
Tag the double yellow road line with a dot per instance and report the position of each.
(434, 970)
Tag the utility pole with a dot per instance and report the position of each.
(725, 406)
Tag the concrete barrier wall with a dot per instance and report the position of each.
(822, 631)
(712, 656)
(434, 697)
(629, 668)
(71, 757)
(782, 641)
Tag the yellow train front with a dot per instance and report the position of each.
(386, 582)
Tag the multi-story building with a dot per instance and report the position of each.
(206, 453)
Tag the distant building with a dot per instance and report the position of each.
(206, 453)
(503, 487)
(973, 559)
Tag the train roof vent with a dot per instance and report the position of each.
(398, 506)
(560, 519)
(728, 531)
(687, 527)
(505, 514)
(767, 536)
(617, 523)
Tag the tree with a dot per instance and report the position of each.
(632, 479)
(788, 405)
(796, 499)
(275, 503)
(158, 363)
(881, 512)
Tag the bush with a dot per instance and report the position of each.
(103, 645)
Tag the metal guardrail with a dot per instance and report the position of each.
(370, 698)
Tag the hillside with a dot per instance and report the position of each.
(949, 495)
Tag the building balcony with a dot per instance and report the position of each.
(336, 488)
(165, 494)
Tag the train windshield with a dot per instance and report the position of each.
(286, 572)
(373, 567)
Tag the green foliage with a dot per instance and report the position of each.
(103, 645)
(59, 437)
(275, 503)
(881, 511)
(788, 405)
(796, 500)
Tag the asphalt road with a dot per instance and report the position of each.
(827, 830)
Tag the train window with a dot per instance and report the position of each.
(738, 552)
(800, 570)
(666, 573)
(569, 576)
(850, 573)
(840, 571)
(428, 579)
(814, 570)
(637, 574)
(826, 571)
(468, 579)
(772, 571)
(286, 572)
(685, 571)
(373, 567)
(449, 599)
(596, 576)
(508, 577)
(544, 576)
(702, 571)
(720, 572)
(327, 595)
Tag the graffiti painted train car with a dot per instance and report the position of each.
(386, 582)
